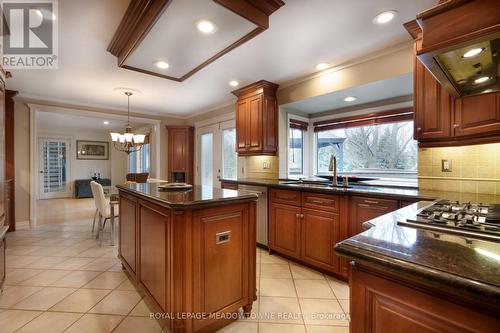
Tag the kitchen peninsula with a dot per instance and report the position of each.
(192, 252)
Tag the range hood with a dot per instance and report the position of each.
(458, 41)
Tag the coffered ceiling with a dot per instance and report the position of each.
(301, 34)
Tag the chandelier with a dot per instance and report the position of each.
(128, 141)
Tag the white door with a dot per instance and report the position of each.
(216, 156)
(54, 168)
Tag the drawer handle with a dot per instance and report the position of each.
(371, 202)
(373, 207)
(287, 197)
(320, 202)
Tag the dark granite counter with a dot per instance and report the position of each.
(467, 267)
(183, 199)
(370, 190)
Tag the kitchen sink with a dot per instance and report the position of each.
(314, 185)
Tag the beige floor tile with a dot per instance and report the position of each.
(44, 299)
(81, 300)
(313, 289)
(96, 252)
(277, 287)
(107, 280)
(240, 327)
(340, 289)
(116, 268)
(50, 322)
(273, 271)
(126, 285)
(302, 272)
(17, 275)
(12, 320)
(327, 329)
(73, 263)
(138, 324)
(323, 312)
(281, 328)
(119, 302)
(45, 278)
(20, 261)
(266, 258)
(280, 309)
(95, 323)
(14, 294)
(45, 262)
(344, 303)
(76, 279)
(100, 264)
(142, 309)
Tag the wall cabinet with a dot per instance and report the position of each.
(362, 209)
(180, 154)
(257, 119)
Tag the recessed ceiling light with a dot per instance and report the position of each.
(385, 17)
(350, 99)
(106, 122)
(206, 26)
(162, 64)
(482, 79)
(322, 65)
(234, 83)
(473, 52)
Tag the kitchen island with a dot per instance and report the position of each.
(192, 252)
(406, 279)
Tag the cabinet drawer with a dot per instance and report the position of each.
(326, 202)
(229, 186)
(286, 197)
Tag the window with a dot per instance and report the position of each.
(140, 161)
(380, 149)
(229, 157)
(296, 152)
(296, 145)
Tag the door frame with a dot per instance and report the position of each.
(69, 165)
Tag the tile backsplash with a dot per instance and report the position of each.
(474, 169)
(262, 167)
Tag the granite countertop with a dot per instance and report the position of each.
(450, 262)
(371, 190)
(196, 196)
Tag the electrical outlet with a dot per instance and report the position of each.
(445, 165)
(266, 165)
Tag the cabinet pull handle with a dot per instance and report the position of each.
(301, 216)
(373, 207)
(456, 125)
(297, 215)
(319, 202)
(419, 129)
(371, 202)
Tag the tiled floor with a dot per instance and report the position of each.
(60, 280)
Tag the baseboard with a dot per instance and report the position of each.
(262, 246)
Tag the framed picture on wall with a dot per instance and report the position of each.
(92, 150)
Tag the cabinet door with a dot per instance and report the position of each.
(432, 106)
(127, 240)
(477, 115)
(319, 234)
(179, 147)
(154, 222)
(2, 262)
(284, 229)
(241, 126)
(364, 209)
(255, 123)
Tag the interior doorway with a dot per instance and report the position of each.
(54, 168)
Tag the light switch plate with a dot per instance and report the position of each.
(445, 165)
(266, 165)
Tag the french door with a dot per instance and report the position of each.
(54, 168)
(216, 155)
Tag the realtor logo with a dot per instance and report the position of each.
(29, 34)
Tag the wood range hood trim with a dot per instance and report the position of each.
(141, 16)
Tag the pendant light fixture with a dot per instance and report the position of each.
(128, 142)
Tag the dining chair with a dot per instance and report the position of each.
(104, 209)
(138, 177)
(94, 195)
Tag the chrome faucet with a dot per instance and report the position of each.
(333, 168)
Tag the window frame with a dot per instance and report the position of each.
(299, 123)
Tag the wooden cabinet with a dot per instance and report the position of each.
(303, 226)
(128, 244)
(2, 258)
(363, 209)
(180, 154)
(385, 304)
(229, 185)
(320, 232)
(284, 228)
(432, 106)
(477, 115)
(257, 119)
